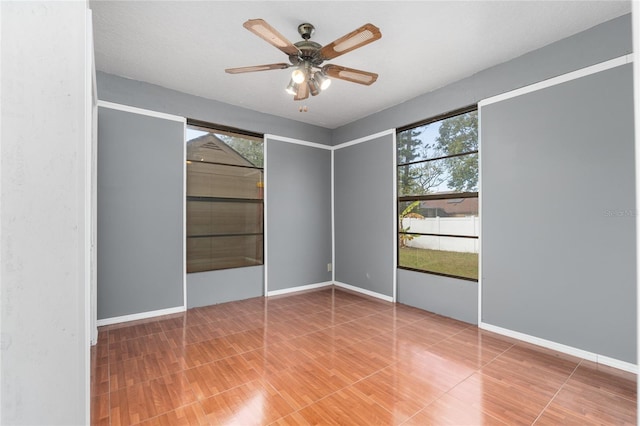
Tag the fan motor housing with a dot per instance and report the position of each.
(308, 52)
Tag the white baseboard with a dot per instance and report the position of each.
(570, 350)
(299, 288)
(364, 291)
(141, 315)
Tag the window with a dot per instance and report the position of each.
(224, 198)
(438, 195)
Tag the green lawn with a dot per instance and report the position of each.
(444, 262)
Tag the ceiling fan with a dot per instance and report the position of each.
(306, 57)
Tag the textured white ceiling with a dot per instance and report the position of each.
(186, 45)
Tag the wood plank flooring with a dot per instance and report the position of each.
(337, 358)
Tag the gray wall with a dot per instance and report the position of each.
(44, 340)
(298, 214)
(447, 296)
(205, 288)
(558, 215)
(226, 285)
(149, 96)
(609, 40)
(140, 213)
(364, 214)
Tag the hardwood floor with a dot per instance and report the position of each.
(334, 357)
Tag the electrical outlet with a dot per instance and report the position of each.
(329, 267)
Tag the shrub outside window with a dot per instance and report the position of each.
(437, 175)
(225, 203)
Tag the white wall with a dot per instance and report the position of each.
(44, 344)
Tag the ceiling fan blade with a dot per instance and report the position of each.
(303, 92)
(265, 31)
(255, 68)
(364, 35)
(350, 74)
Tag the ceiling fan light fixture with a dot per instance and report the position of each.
(298, 75)
(314, 87)
(323, 81)
(292, 87)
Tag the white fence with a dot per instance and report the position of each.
(468, 226)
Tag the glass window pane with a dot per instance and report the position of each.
(455, 174)
(223, 218)
(444, 260)
(418, 143)
(210, 253)
(213, 180)
(223, 147)
(452, 208)
(453, 135)
(439, 159)
(225, 189)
